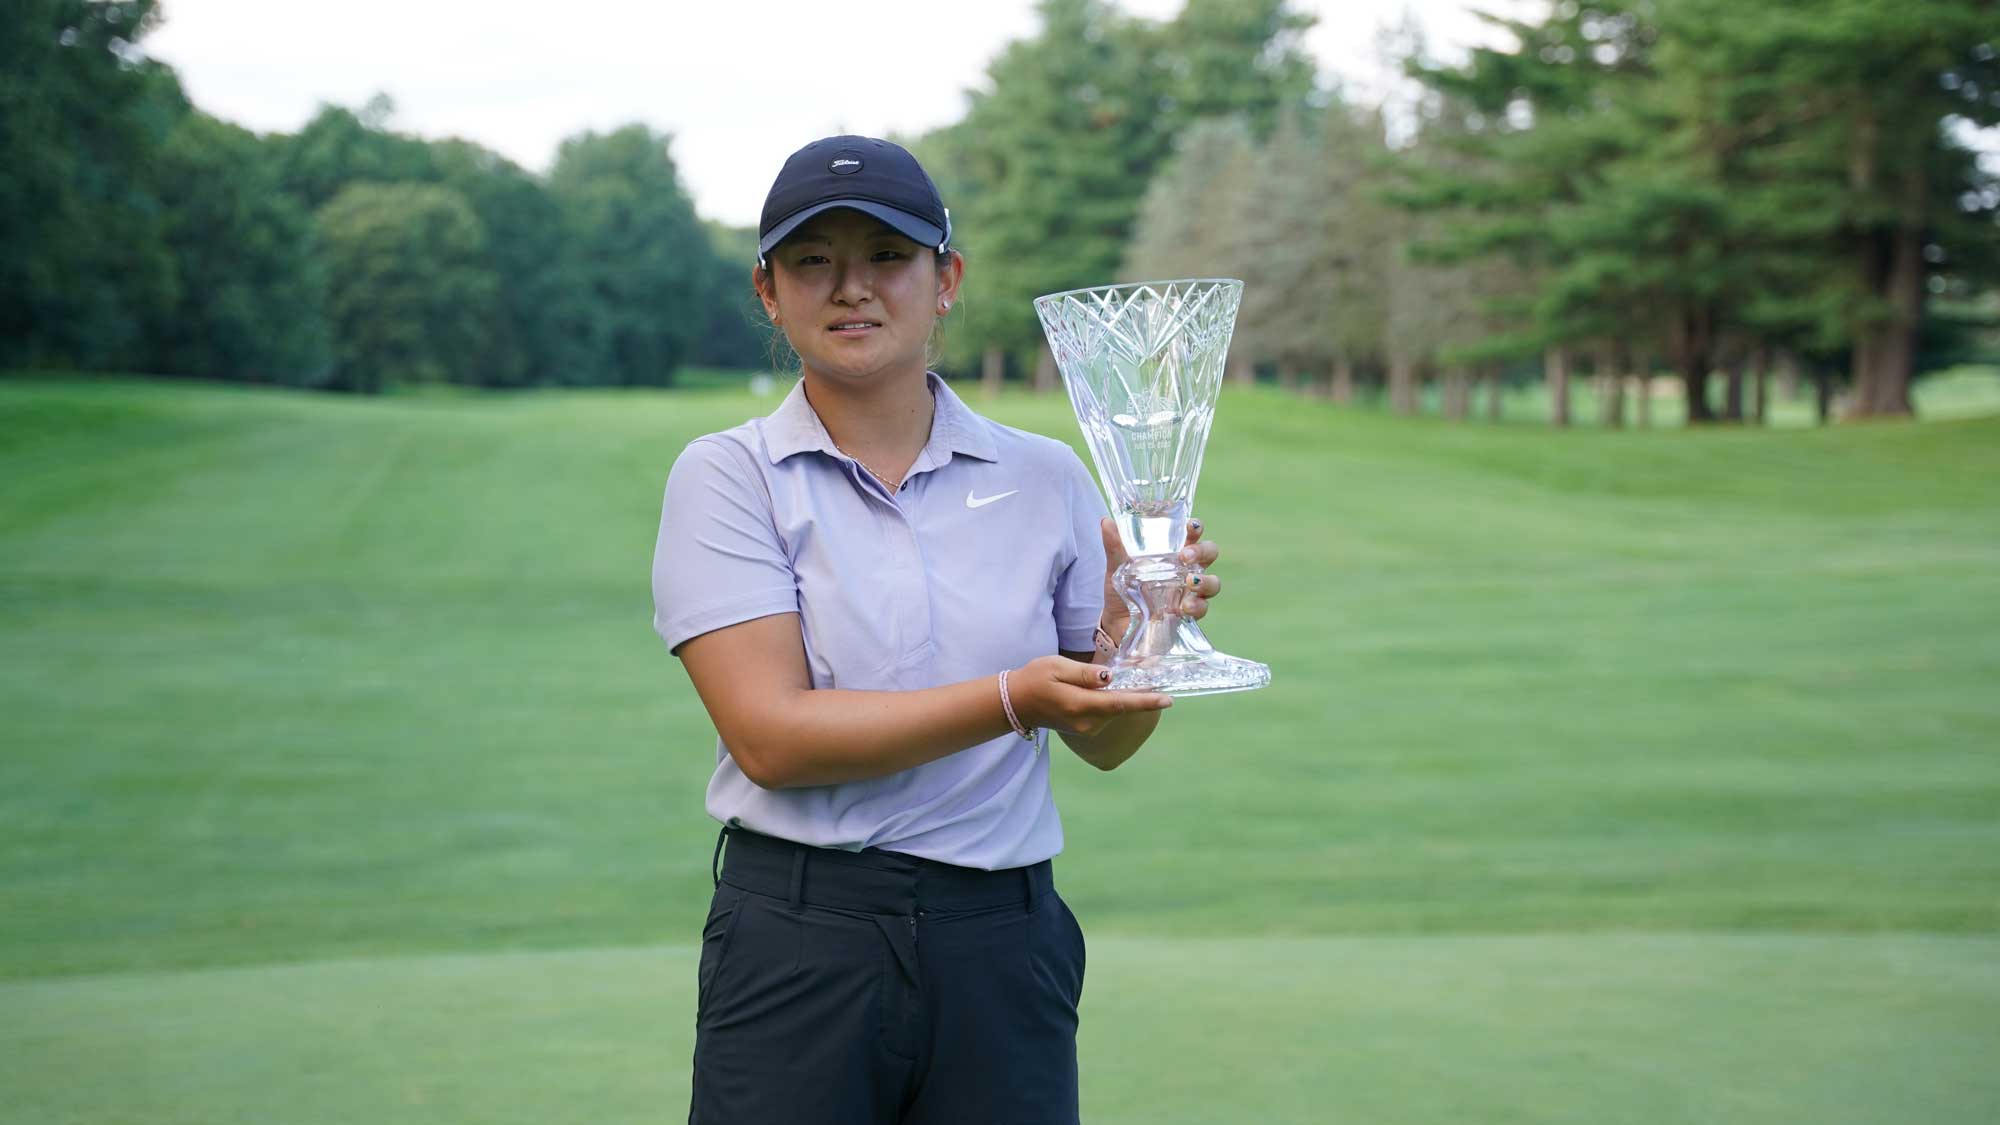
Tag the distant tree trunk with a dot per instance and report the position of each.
(1457, 393)
(1693, 341)
(1860, 359)
(1402, 384)
(1493, 387)
(1343, 379)
(1641, 389)
(1610, 379)
(1760, 372)
(1788, 377)
(1046, 375)
(1732, 398)
(1823, 396)
(992, 372)
(1242, 372)
(1555, 371)
(1694, 388)
(1893, 268)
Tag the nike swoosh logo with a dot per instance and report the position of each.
(981, 501)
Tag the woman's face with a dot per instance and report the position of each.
(854, 297)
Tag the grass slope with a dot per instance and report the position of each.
(288, 678)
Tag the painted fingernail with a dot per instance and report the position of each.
(1194, 581)
(1196, 524)
(1103, 675)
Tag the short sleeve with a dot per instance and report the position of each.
(717, 560)
(1080, 591)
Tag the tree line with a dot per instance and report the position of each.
(1725, 186)
(145, 235)
(1719, 190)
(1725, 191)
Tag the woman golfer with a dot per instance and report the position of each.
(885, 602)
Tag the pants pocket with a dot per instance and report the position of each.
(1078, 948)
(723, 911)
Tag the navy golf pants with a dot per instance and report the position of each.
(877, 988)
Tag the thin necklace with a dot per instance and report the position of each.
(893, 485)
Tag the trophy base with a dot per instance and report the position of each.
(1164, 651)
(1211, 674)
(1186, 664)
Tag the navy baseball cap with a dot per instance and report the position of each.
(875, 177)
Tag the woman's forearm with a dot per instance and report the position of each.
(829, 736)
(1118, 740)
(799, 736)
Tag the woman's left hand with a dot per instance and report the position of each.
(1198, 555)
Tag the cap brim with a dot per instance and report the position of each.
(908, 225)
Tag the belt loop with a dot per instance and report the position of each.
(1028, 886)
(798, 878)
(714, 864)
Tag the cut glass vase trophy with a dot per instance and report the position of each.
(1143, 364)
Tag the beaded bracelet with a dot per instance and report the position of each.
(1106, 645)
(1007, 705)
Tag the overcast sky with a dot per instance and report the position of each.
(739, 85)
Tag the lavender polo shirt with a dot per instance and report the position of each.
(987, 557)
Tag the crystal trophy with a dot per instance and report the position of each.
(1143, 364)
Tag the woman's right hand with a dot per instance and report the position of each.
(1068, 695)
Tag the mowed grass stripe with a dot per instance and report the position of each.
(289, 677)
(1546, 1028)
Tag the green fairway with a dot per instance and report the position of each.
(1598, 1030)
(1641, 776)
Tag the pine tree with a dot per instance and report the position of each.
(1842, 108)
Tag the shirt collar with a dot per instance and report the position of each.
(794, 427)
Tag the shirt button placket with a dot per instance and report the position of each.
(913, 601)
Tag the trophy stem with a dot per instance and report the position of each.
(1163, 649)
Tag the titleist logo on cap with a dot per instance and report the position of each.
(846, 164)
